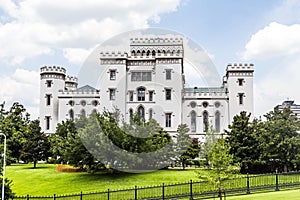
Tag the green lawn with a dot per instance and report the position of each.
(281, 195)
(46, 181)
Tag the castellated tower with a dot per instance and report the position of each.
(71, 83)
(52, 80)
(239, 80)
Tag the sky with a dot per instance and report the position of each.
(36, 33)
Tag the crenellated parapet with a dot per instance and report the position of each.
(156, 47)
(204, 92)
(156, 41)
(241, 69)
(55, 72)
(71, 79)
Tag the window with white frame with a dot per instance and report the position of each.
(168, 119)
(112, 94)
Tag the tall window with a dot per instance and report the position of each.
(71, 114)
(112, 94)
(47, 122)
(141, 94)
(150, 114)
(168, 94)
(130, 95)
(112, 75)
(205, 121)
(48, 99)
(141, 76)
(241, 81)
(241, 98)
(168, 74)
(82, 113)
(130, 113)
(193, 121)
(49, 83)
(141, 113)
(168, 119)
(217, 121)
(150, 95)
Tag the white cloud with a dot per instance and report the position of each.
(21, 86)
(38, 27)
(278, 85)
(274, 40)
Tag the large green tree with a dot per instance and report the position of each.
(186, 148)
(68, 147)
(35, 145)
(14, 123)
(243, 139)
(281, 139)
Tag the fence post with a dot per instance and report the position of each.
(54, 196)
(80, 195)
(248, 184)
(191, 190)
(27, 196)
(135, 192)
(163, 191)
(108, 194)
(277, 187)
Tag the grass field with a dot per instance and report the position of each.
(44, 180)
(281, 195)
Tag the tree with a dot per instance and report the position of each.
(243, 139)
(14, 123)
(222, 165)
(35, 146)
(67, 145)
(281, 139)
(137, 145)
(210, 141)
(186, 148)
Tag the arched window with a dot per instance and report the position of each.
(95, 103)
(71, 103)
(141, 113)
(193, 121)
(83, 102)
(153, 53)
(133, 52)
(138, 53)
(205, 121)
(94, 111)
(143, 53)
(71, 114)
(130, 113)
(141, 94)
(164, 52)
(148, 53)
(150, 114)
(217, 121)
(82, 113)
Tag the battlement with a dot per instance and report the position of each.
(113, 54)
(156, 41)
(53, 69)
(240, 67)
(71, 79)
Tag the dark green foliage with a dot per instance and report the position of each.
(35, 146)
(67, 146)
(267, 146)
(186, 147)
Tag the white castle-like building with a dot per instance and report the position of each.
(148, 80)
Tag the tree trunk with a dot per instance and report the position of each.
(34, 164)
(219, 187)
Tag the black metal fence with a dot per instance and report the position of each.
(190, 190)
